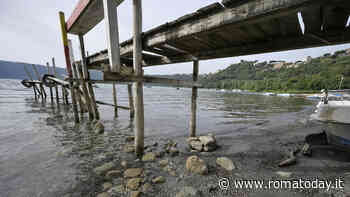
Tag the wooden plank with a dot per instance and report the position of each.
(87, 86)
(312, 18)
(86, 15)
(114, 77)
(193, 121)
(334, 18)
(112, 34)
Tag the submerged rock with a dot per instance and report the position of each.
(104, 194)
(188, 192)
(146, 187)
(225, 163)
(133, 172)
(106, 186)
(135, 194)
(158, 179)
(129, 148)
(99, 128)
(163, 163)
(113, 174)
(104, 168)
(134, 183)
(196, 165)
(284, 174)
(117, 189)
(149, 157)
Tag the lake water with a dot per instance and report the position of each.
(42, 153)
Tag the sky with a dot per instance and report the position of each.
(30, 32)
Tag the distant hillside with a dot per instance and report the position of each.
(15, 70)
(314, 74)
(328, 71)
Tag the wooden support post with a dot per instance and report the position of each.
(49, 72)
(131, 102)
(114, 92)
(111, 23)
(193, 121)
(86, 93)
(77, 90)
(86, 76)
(42, 90)
(34, 85)
(138, 86)
(56, 88)
(68, 63)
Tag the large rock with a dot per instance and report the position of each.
(133, 172)
(225, 163)
(202, 143)
(196, 165)
(134, 183)
(188, 192)
(149, 157)
(104, 168)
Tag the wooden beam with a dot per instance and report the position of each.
(138, 86)
(42, 90)
(112, 34)
(31, 78)
(193, 121)
(86, 15)
(114, 77)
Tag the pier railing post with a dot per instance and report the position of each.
(34, 85)
(193, 121)
(49, 72)
(42, 90)
(138, 86)
(68, 64)
(114, 92)
(56, 88)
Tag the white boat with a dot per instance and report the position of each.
(334, 111)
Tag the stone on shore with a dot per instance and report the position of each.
(196, 165)
(188, 192)
(133, 172)
(104, 168)
(202, 143)
(134, 183)
(225, 163)
(149, 157)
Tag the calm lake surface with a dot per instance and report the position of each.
(42, 153)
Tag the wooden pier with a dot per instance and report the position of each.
(227, 29)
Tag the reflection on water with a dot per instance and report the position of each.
(42, 153)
